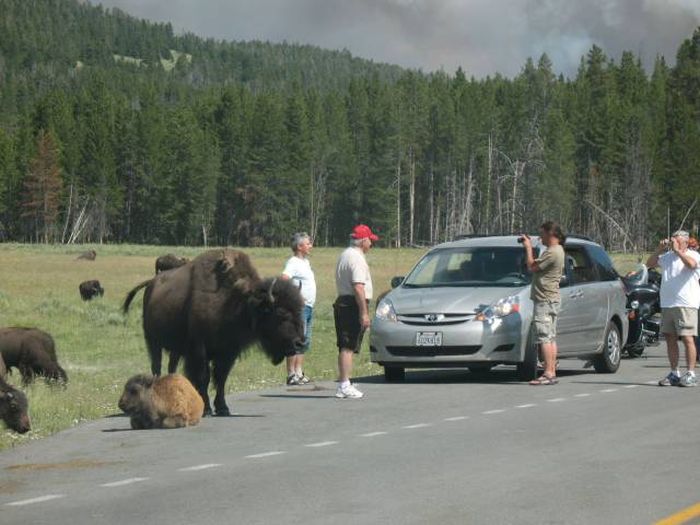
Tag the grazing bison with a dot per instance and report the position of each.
(14, 408)
(169, 261)
(32, 352)
(90, 289)
(89, 255)
(210, 310)
(161, 402)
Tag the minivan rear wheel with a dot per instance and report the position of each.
(608, 361)
(527, 370)
(394, 374)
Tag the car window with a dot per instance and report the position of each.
(580, 266)
(470, 266)
(603, 265)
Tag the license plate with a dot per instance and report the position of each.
(429, 339)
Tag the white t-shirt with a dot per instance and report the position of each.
(679, 284)
(299, 270)
(352, 268)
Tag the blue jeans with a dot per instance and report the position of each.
(307, 317)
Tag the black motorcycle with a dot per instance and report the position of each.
(643, 309)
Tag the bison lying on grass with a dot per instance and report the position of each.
(169, 262)
(90, 289)
(211, 309)
(89, 255)
(32, 352)
(14, 409)
(161, 402)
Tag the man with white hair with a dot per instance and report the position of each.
(680, 300)
(351, 309)
(298, 269)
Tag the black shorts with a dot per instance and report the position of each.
(348, 328)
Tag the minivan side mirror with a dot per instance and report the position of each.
(396, 281)
(564, 281)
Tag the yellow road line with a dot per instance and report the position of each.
(682, 516)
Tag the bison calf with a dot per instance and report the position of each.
(169, 261)
(14, 408)
(89, 255)
(90, 289)
(161, 402)
(32, 352)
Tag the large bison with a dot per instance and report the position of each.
(213, 308)
(90, 289)
(32, 352)
(169, 262)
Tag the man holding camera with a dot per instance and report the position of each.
(680, 300)
(546, 275)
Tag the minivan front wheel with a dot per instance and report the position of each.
(608, 361)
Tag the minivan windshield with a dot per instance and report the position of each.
(470, 267)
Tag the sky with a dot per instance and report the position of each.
(484, 37)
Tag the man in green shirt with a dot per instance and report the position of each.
(546, 275)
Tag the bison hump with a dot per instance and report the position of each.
(227, 269)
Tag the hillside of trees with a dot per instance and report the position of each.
(113, 129)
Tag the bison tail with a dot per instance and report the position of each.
(130, 296)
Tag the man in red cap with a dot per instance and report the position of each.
(351, 309)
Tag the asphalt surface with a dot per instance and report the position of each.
(443, 447)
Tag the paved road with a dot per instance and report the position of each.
(444, 447)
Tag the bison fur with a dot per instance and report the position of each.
(90, 289)
(14, 408)
(161, 402)
(32, 352)
(169, 262)
(89, 255)
(213, 308)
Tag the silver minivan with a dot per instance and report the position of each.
(467, 304)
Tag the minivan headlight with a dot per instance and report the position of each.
(385, 311)
(501, 308)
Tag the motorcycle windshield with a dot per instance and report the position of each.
(638, 276)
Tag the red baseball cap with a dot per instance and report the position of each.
(362, 231)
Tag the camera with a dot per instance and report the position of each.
(521, 240)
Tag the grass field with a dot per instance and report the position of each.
(100, 348)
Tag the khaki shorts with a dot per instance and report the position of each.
(545, 318)
(679, 321)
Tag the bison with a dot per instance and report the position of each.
(213, 308)
(32, 352)
(161, 402)
(90, 289)
(169, 262)
(14, 408)
(89, 255)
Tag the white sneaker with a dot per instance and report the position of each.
(348, 392)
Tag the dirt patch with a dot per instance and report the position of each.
(10, 487)
(73, 464)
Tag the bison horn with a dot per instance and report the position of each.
(269, 292)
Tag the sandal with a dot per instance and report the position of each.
(544, 379)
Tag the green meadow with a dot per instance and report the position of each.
(100, 348)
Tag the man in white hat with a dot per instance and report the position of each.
(680, 300)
